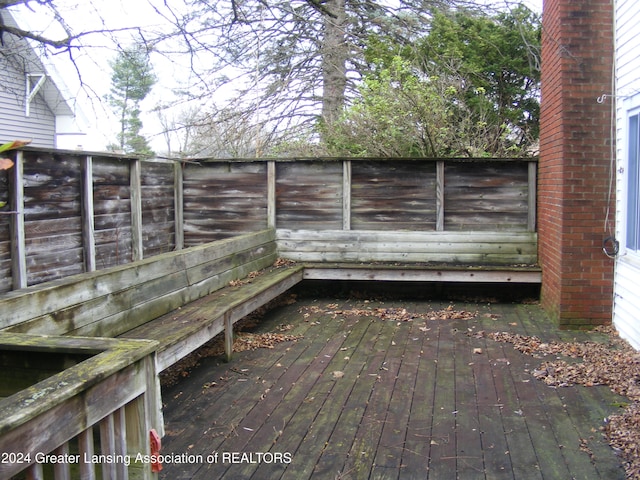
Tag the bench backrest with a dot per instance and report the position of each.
(455, 248)
(112, 301)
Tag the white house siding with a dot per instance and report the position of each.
(39, 127)
(626, 314)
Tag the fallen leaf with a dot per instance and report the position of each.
(5, 164)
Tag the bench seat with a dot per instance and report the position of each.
(414, 272)
(183, 330)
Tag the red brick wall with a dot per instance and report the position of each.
(575, 159)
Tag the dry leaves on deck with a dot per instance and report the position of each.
(395, 314)
(251, 341)
(242, 341)
(613, 363)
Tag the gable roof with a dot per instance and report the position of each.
(23, 57)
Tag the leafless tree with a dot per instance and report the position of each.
(283, 64)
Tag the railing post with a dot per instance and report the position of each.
(120, 433)
(62, 471)
(18, 248)
(346, 194)
(86, 450)
(108, 447)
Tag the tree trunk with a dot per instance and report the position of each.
(334, 60)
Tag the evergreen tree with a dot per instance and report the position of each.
(132, 79)
(470, 87)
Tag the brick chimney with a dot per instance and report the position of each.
(575, 161)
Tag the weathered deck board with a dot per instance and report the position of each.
(334, 455)
(306, 392)
(401, 363)
(415, 401)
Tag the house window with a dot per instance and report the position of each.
(633, 188)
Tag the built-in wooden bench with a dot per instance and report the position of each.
(183, 299)
(491, 257)
(180, 299)
(181, 331)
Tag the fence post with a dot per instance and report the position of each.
(18, 249)
(136, 209)
(271, 194)
(88, 237)
(346, 194)
(178, 203)
(440, 195)
(532, 189)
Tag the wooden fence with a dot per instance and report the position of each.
(70, 212)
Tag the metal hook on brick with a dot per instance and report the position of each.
(602, 98)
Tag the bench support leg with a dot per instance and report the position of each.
(228, 336)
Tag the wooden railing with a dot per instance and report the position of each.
(92, 420)
(71, 212)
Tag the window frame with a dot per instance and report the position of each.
(629, 168)
(632, 197)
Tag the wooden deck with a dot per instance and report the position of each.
(363, 396)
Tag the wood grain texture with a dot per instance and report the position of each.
(174, 205)
(309, 195)
(114, 300)
(413, 400)
(465, 248)
(399, 195)
(224, 199)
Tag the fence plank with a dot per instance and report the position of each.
(158, 207)
(224, 199)
(6, 212)
(120, 432)
(393, 195)
(309, 195)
